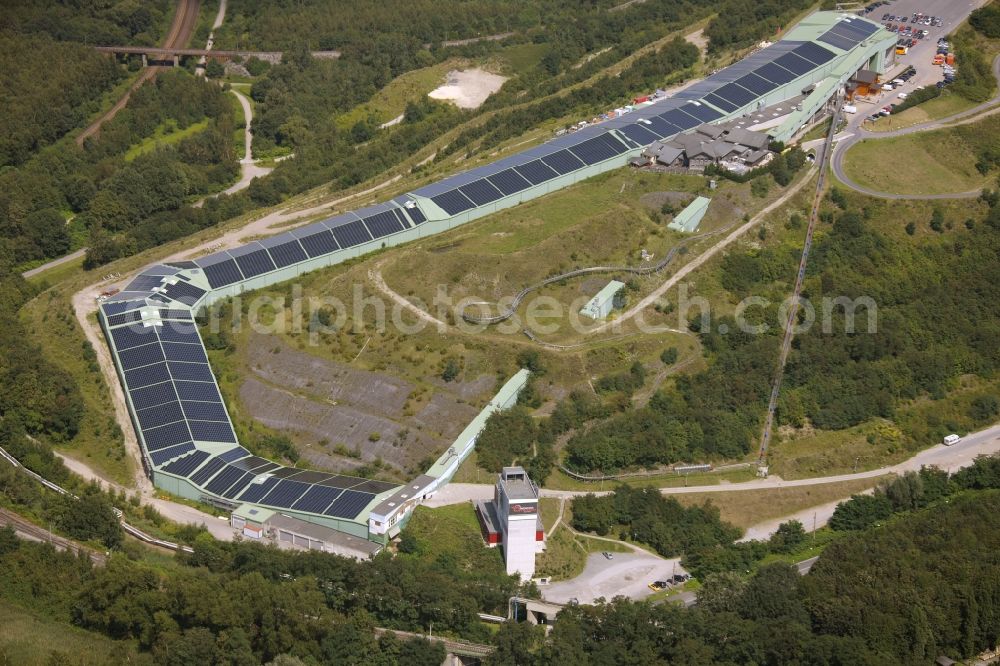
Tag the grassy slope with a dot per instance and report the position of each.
(27, 638)
(936, 162)
(751, 507)
(164, 135)
(391, 100)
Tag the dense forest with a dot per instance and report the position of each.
(739, 23)
(905, 593)
(243, 603)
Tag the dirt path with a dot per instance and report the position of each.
(185, 20)
(375, 275)
(55, 262)
(700, 260)
(219, 18)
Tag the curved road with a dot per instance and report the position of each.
(964, 117)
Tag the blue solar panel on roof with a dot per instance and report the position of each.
(795, 64)
(187, 464)
(316, 499)
(205, 411)
(701, 112)
(212, 431)
(132, 336)
(836, 40)
(383, 224)
(593, 151)
(453, 202)
(178, 351)
(640, 134)
(351, 234)
(195, 372)
(349, 504)
(287, 254)
(160, 298)
(720, 103)
(153, 417)
(563, 162)
(255, 263)
(536, 172)
(144, 283)
(182, 292)
(285, 494)
(256, 491)
(319, 243)
(681, 119)
(222, 274)
(755, 84)
(163, 455)
(202, 391)
(176, 332)
(136, 357)
(174, 314)
(851, 29)
(403, 220)
(509, 181)
(372, 486)
(416, 215)
(232, 455)
(125, 318)
(166, 435)
(814, 52)
(151, 374)
(209, 470)
(117, 308)
(735, 94)
(775, 74)
(224, 479)
(481, 192)
(239, 486)
(659, 126)
(614, 142)
(155, 394)
(867, 27)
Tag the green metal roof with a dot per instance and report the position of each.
(689, 218)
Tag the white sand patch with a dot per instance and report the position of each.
(468, 88)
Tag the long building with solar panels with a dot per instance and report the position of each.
(187, 438)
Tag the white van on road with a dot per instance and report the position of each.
(951, 439)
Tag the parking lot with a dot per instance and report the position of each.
(951, 13)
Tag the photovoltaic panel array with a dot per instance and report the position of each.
(351, 234)
(255, 263)
(680, 119)
(163, 455)
(536, 172)
(183, 292)
(223, 273)
(814, 53)
(184, 466)
(287, 254)
(481, 192)
(453, 202)
(720, 103)
(562, 162)
(705, 114)
(349, 504)
(774, 73)
(795, 64)
(416, 215)
(736, 94)
(319, 243)
(383, 224)
(509, 181)
(755, 84)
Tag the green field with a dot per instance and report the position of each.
(164, 135)
(28, 638)
(391, 101)
(937, 162)
(939, 107)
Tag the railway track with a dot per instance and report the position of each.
(181, 29)
(793, 310)
(28, 530)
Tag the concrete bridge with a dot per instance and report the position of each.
(160, 53)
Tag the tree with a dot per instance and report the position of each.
(669, 355)
(214, 69)
(860, 512)
(788, 537)
(984, 408)
(721, 592)
(451, 369)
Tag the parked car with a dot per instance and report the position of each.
(607, 555)
(657, 585)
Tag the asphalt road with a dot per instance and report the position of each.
(953, 12)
